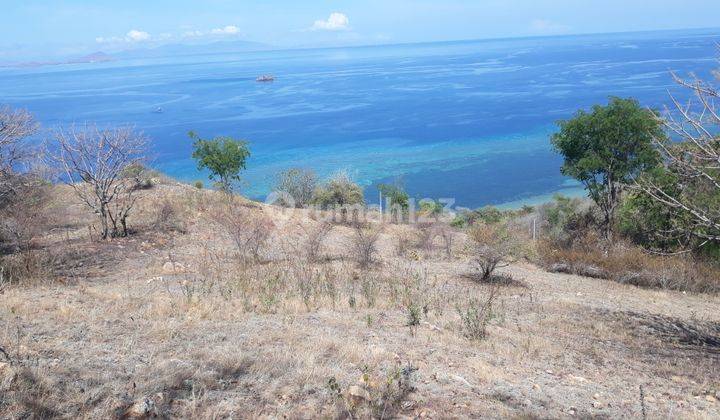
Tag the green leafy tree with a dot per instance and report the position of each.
(340, 190)
(339, 193)
(397, 198)
(223, 156)
(607, 149)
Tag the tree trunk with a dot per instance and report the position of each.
(104, 222)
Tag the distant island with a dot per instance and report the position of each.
(96, 57)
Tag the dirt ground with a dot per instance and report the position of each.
(172, 323)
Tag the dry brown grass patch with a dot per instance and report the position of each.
(632, 265)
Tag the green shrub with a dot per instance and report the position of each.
(564, 220)
(339, 190)
(476, 314)
(198, 184)
(431, 208)
(140, 175)
(647, 222)
(459, 221)
(397, 198)
(489, 214)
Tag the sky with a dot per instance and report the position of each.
(56, 28)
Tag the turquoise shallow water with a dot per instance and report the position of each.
(463, 120)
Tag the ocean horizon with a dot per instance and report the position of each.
(466, 120)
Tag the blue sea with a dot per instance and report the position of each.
(466, 120)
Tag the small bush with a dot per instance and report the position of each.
(250, 232)
(476, 314)
(364, 244)
(431, 209)
(199, 185)
(315, 238)
(167, 218)
(564, 220)
(378, 395)
(494, 247)
(24, 212)
(487, 215)
(140, 175)
(414, 315)
(425, 235)
(447, 235)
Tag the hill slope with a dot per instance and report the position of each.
(172, 322)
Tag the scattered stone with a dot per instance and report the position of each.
(461, 380)
(173, 268)
(596, 396)
(141, 409)
(710, 399)
(597, 404)
(573, 378)
(431, 326)
(536, 387)
(408, 405)
(358, 394)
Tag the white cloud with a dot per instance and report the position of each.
(544, 26)
(137, 36)
(193, 34)
(228, 30)
(336, 22)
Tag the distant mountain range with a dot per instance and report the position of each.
(96, 57)
(169, 50)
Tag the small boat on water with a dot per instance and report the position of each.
(159, 110)
(265, 78)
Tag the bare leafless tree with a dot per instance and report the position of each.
(298, 184)
(16, 126)
(694, 161)
(94, 162)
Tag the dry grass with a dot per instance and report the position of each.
(632, 265)
(169, 322)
